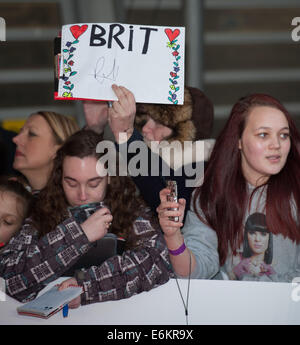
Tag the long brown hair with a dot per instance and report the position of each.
(223, 197)
(121, 198)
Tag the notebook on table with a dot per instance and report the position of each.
(50, 302)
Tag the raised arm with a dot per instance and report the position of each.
(194, 248)
(121, 120)
(122, 114)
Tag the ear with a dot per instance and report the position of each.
(55, 149)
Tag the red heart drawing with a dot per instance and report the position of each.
(77, 30)
(172, 34)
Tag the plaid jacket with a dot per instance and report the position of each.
(28, 264)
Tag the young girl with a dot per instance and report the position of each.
(254, 167)
(53, 240)
(15, 202)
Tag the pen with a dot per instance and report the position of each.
(109, 103)
(65, 310)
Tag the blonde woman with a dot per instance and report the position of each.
(37, 143)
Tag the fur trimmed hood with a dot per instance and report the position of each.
(178, 156)
(191, 121)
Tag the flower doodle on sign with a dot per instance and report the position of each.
(172, 35)
(68, 53)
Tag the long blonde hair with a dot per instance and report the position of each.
(62, 126)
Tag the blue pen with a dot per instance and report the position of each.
(65, 310)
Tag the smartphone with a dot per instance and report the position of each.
(173, 197)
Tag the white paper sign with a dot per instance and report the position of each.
(148, 60)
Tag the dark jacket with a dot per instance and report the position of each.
(150, 185)
(7, 152)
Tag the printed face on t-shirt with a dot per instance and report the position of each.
(256, 258)
(258, 241)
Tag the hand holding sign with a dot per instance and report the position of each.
(122, 113)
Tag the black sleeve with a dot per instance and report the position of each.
(150, 185)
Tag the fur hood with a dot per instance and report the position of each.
(176, 156)
(191, 121)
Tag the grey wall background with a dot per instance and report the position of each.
(233, 47)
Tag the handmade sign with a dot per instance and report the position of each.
(148, 60)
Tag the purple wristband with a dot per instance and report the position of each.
(178, 251)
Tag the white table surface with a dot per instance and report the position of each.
(210, 302)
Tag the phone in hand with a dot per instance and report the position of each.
(173, 197)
